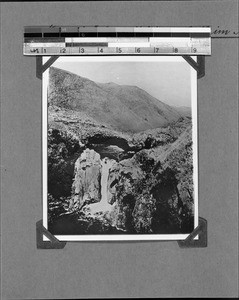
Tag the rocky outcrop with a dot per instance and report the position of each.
(123, 175)
(86, 186)
(147, 197)
(125, 186)
(146, 188)
(63, 151)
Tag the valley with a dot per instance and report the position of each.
(119, 160)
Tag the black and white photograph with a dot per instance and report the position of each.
(120, 148)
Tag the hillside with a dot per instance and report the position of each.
(119, 160)
(183, 110)
(120, 107)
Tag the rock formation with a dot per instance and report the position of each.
(86, 185)
(103, 178)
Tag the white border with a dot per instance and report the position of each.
(130, 237)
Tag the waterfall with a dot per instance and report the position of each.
(106, 164)
(103, 205)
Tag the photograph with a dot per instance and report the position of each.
(119, 142)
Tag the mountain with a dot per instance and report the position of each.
(120, 107)
(184, 110)
(119, 160)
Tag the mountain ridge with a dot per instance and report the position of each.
(121, 107)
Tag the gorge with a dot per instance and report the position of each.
(119, 160)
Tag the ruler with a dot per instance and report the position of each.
(105, 40)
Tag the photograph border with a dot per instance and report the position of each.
(125, 237)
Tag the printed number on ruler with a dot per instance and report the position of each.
(36, 50)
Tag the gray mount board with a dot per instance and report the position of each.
(129, 269)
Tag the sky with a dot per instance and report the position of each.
(169, 81)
